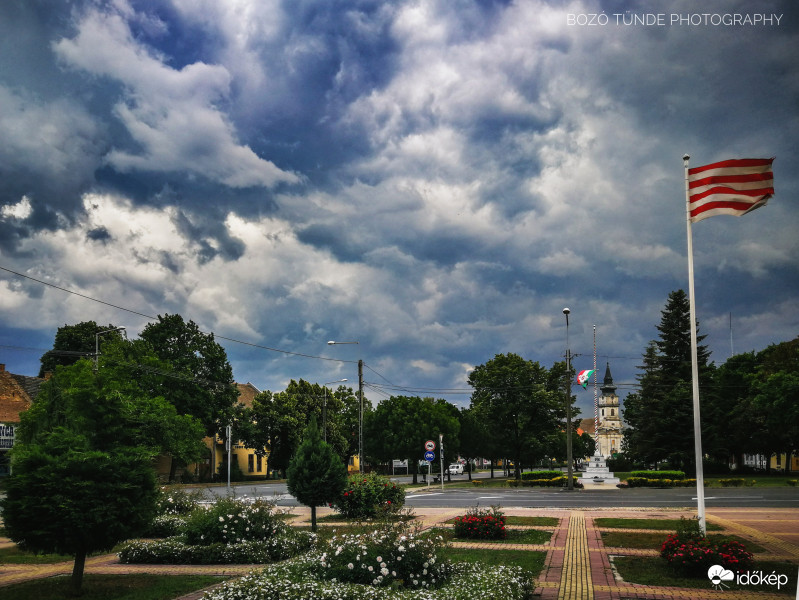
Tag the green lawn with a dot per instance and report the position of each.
(14, 556)
(530, 560)
(515, 536)
(112, 587)
(654, 541)
(761, 479)
(647, 570)
(664, 524)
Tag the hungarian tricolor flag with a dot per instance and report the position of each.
(584, 376)
(730, 187)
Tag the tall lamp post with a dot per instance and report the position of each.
(324, 406)
(360, 405)
(569, 468)
(97, 343)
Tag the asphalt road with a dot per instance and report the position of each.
(545, 498)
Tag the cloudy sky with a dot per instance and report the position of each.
(434, 179)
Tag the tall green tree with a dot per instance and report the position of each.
(399, 427)
(73, 342)
(199, 380)
(660, 416)
(517, 399)
(316, 475)
(82, 468)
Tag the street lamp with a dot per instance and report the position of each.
(97, 343)
(324, 406)
(360, 404)
(569, 470)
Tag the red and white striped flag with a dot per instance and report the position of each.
(730, 187)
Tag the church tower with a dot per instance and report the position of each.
(609, 434)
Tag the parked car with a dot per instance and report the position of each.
(455, 469)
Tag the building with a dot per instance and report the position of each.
(609, 417)
(16, 396)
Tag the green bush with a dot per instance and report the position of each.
(230, 521)
(164, 526)
(369, 496)
(541, 475)
(392, 556)
(482, 524)
(737, 482)
(658, 474)
(792, 482)
(693, 555)
(177, 502)
(176, 552)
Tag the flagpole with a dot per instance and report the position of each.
(700, 478)
(596, 409)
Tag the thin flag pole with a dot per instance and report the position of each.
(700, 478)
(596, 405)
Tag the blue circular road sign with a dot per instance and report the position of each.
(429, 456)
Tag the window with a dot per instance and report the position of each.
(250, 463)
(260, 463)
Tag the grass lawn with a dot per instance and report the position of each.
(539, 521)
(14, 556)
(515, 536)
(532, 560)
(664, 524)
(647, 570)
(112, 587)
(653, 541)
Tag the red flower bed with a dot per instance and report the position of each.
(481, 524)
(694, 556)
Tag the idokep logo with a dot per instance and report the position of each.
(718, 575)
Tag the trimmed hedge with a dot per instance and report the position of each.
(658, 474)
(646, 482)
(541, 475)
(554, 482)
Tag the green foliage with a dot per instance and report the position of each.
(391, 556)
(399, 427)
(693, 555)
(659, 474)
(368, 496)
(481, 523)
(177, 501)
(316, 475)
(541, 475)
(236, 474)
(522, 403)
(73, 342)
(230, 520)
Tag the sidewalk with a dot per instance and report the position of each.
(578, 566)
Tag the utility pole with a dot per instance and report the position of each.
(569, 467)
(360, 415)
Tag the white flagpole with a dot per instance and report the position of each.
(700, 478)
(596, 404)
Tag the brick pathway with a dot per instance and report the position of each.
(577, 567)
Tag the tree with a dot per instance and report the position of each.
(73, 342)
(660, 416)
(316, 475)
(199, 380)
(399, 427)
(83, 478)
(517, 400)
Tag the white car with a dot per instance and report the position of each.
(455, 469)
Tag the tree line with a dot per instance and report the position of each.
(749, 404)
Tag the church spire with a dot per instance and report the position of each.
(607, 385)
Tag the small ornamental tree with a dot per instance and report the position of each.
(316, 475)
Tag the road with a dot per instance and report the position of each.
(548, 498)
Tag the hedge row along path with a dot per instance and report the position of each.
(578, 565)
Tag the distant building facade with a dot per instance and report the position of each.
(16, 396)
(609, 435)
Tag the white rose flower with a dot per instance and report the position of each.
(350, 566)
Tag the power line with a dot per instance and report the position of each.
(152, 318)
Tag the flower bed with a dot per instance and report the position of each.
(369, 496)
(481, 524)
(229, 531)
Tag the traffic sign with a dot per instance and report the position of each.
(429, 456)
(429, 445)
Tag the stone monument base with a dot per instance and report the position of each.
(597, 472)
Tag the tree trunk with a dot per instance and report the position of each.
(415, 470)
(313, 518)
(469, 469)
(77, 572)
(492, 468)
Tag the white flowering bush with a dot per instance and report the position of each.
(229, 531)
(164, 526)
(177, 502)
(298, 579)
(390, 556)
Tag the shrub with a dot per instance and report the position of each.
(541, 475)
(481, 523)
(177, 502)
(791, 482)
(232, 521)
(738, 482)
(476, 482)
(658, 474)
(693, 556)
(368, 496)
(392, 556)
(164, 526)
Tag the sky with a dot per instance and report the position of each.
(435, 180)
